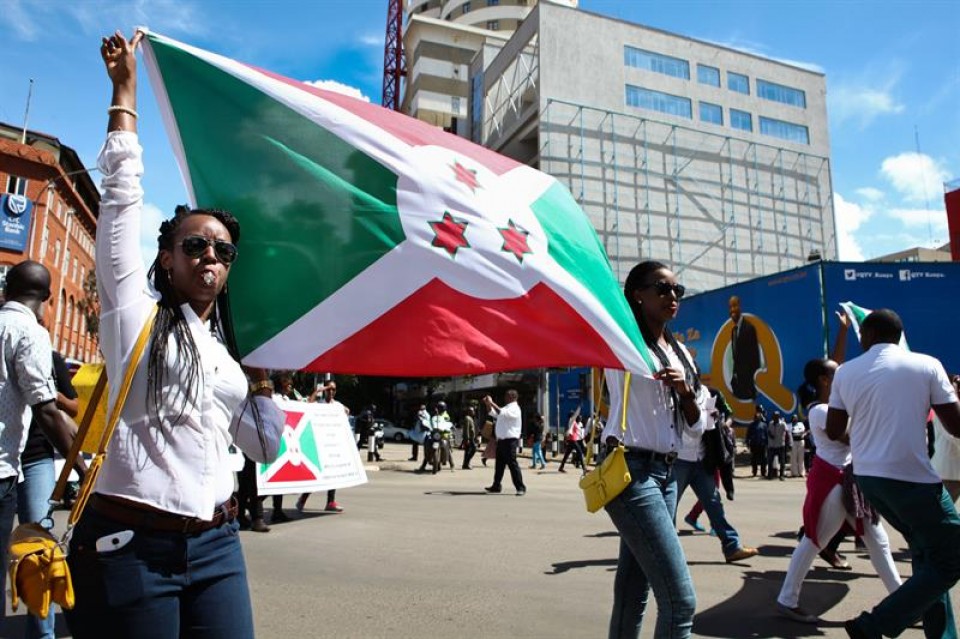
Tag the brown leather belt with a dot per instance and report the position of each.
(135, 516)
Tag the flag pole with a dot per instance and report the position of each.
(26, 114)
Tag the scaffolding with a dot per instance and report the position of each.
(717, 208)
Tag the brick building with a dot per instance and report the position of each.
(48, 213)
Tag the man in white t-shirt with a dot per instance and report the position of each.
(508, 429)
(886, 395)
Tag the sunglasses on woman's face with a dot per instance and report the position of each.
(195, 245)
(663, 287)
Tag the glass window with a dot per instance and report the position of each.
(466, 7)
(455, 105)
(739, 83)
(476, 107)
(741, 120)
(711, 113)
(784, 130)
(492, 3)
(708, 75)
(656, 62)
(781, 93)
(16, 185)
(4, 269)
(657, 101)
(493, 25)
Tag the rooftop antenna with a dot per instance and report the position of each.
(923, 182)
(26, 114)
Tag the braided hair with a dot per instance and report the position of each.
(638, 279)
(182, 379)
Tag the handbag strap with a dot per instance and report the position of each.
(623, 416)
(94, 470)
(88, 414)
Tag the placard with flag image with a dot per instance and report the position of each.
(377, 244)
(317, 452)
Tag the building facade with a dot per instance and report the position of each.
(441, 39)
(710, 159)
(49, 214)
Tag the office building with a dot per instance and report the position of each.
(48, 213)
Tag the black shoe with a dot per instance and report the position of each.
(412, 459)
(853, 630)
(466, 468)
(492, 489)
(259, 526)
(730, 495)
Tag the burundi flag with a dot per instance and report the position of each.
(377, 244)
(857, 314)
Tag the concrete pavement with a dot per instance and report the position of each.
(434, 556)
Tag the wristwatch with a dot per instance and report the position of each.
(263, 384)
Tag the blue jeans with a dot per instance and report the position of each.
(704, 487)
(160, 585)
(925, 516)
(650, 555)
(33, 504)
(8, 510)
(536, 456)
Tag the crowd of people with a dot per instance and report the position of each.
(166, 491)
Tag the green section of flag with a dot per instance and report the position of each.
(311, 206)
(308, 446)
(574, 244)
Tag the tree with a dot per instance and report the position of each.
(89, 304)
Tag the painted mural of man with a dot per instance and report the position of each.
(746, 353)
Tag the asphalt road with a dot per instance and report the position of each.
(434, 556)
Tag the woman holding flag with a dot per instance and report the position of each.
(156, 552)
(660, 409)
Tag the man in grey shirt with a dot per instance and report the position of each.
(26, 388)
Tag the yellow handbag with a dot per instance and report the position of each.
(602, 484)
(39, 574)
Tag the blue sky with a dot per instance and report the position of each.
(893, 69)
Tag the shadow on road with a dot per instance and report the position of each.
(566, 566)
(600, 535)
(467, 493)
(756, 601)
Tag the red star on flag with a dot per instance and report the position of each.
(465, 175)
(515, 240)
(449, 234)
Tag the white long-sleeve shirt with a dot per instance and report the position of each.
(180, 468)
(649, 412)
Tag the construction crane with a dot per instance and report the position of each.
(394, 60)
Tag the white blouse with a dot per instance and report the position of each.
(180, 468)
(650, 411)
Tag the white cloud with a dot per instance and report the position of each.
(849, 217)
(339, 87)
(371, 40)
(862, 104)
(871, 194)
(98, 18)
(932, 220)
(916, 176)
(20, 20)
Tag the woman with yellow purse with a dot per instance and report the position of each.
(156, 553)
(659, 409)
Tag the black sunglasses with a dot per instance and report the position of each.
(664, 287)
(195, 245)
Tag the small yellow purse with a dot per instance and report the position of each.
(39, 574)
(602, 484)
